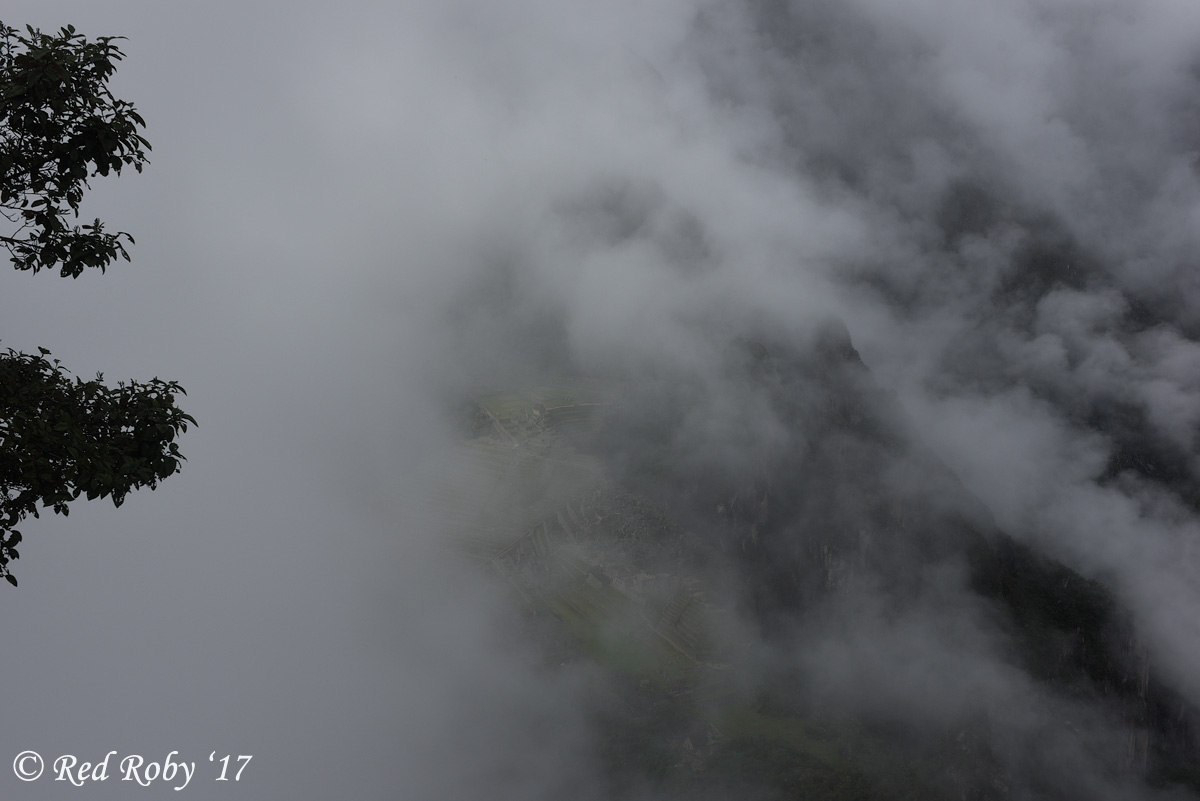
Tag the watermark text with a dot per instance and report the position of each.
(172, 770)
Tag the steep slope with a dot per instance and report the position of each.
(793, 599)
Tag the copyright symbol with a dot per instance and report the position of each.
(28, 765)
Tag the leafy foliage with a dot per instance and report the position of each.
(59, 126)
(61, 438)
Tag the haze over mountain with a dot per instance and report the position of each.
(914, 273)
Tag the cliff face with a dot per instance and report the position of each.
(793, 599)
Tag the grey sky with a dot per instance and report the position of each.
(351, 214)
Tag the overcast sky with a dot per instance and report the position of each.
(350, 215)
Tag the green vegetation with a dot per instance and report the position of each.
(616, 583)
(596, 550)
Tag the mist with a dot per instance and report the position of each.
(919, 259)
